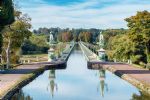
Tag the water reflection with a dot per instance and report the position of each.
(141, 96)
(52, 86)
(21, 96)
(103, 84)
(79, 83)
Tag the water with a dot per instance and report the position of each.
(78, 83)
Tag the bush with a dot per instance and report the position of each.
(136, 59)
(142, 64)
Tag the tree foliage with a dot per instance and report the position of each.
(133, 44)
(36, 44)
(86, 37)
(13, 37)
(6, 16)
(74, 33)
(6, 12)
(139, 33)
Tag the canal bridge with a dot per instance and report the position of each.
(12, 80)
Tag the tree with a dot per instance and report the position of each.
(140, 96)
(120, 47)
(139, 33)
(110, 33)
(14, 35)
(134, 44)
(6, 16)
(6, 12)
(35, 44)
(86, 37)
(67, 36)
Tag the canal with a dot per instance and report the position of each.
(77, 82)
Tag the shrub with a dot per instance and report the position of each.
(136, 59)
(142, 64)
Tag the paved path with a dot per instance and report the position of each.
(9, 78)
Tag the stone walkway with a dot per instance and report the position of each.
(10, 77)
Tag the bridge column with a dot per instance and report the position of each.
(102, 54)
(51, 54)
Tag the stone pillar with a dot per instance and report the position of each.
(102, 54)
(28, 61)
(24, 61)
(51, 54)
(37, 58)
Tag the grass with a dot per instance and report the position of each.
(35, 57)
(138, 66)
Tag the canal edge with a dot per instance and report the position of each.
(142, 86)
(24, 80)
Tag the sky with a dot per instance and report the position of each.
(101, 14)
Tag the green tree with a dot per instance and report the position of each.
(86, 37)
(139, 34)
(119, 47)
(6, 16)
(110, 33)
(141, 96)
(14, 35)
(35, 44)
(6, 12)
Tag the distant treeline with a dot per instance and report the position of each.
(37, 43)
(87, 35)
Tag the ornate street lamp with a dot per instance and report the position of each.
(51, 49)
(101, 51)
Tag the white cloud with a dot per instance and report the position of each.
(83, 15)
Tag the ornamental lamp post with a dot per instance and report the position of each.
(51, 50)
(101, 51)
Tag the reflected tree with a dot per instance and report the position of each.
(102, 84)
(141, 96)
(21, 96)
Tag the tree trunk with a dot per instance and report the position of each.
(147, 53)
(8, 54)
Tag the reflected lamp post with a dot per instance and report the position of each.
(52, 85)
(103, 85)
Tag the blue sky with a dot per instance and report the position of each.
(101, 14)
